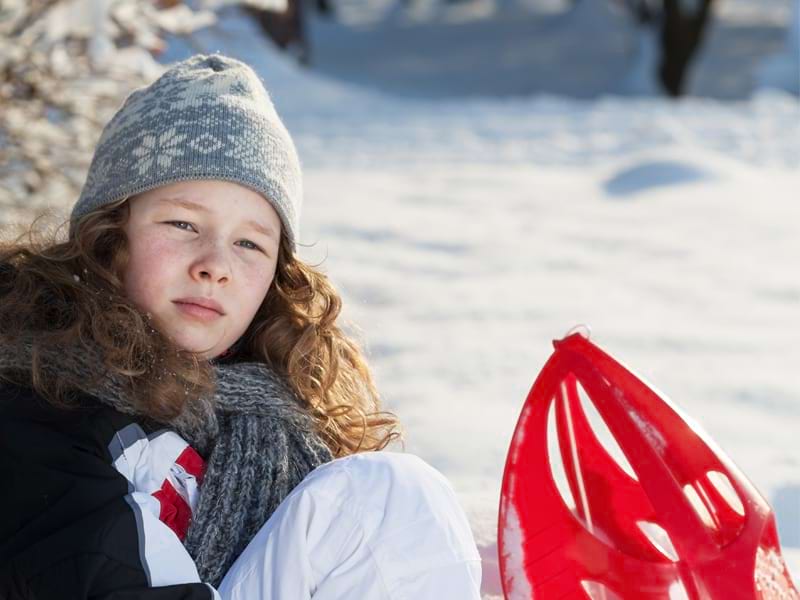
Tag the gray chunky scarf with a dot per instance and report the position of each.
(258, 441)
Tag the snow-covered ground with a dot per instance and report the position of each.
(519, 47)
(466, 235)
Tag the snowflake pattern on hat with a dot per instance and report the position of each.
(158, 150)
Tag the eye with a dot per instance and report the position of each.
(252, 246)
(178, 224)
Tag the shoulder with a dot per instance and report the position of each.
(90, 484)
(29, 420)
(144, 453)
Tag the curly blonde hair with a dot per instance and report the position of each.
(70, 292)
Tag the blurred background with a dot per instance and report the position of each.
(481, 176)
(67, 63)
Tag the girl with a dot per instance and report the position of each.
(180, 416)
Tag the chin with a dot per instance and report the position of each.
(206, 350)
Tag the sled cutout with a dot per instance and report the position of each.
(598, 591)
(598, 426)
(557, 470)
(701, 508)
(678, 592)
(659, 538)
(723, 487)
(686, 524)
(609, 502)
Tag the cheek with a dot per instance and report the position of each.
(262, 280)
(149, 270)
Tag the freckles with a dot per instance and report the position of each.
(159, 245)
(258, 280)
(159, 250)
(151, 266)
(264, 277)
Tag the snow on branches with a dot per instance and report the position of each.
(65, 67)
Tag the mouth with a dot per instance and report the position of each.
(200, 309)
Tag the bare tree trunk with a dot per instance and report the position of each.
(287, 29)
(681, 34)
(324, 7)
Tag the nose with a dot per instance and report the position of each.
(212, 265)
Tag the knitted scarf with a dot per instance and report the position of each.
(258, 441)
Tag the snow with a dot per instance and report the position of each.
(466, 233)
(478, 183)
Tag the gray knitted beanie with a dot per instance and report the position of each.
(207, 117)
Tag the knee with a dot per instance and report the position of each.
(394, 471)
(408, 501)
(388, 493)
(397, 485)
(398, 468)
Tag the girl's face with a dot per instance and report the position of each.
(194, 243)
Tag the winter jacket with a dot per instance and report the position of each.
(95, 504)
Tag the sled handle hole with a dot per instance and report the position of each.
(723, 486)
(660, 539)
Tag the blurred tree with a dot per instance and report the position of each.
(681, 24)
(287, 26)
(65, 67)
(684, 24)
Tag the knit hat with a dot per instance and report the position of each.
(207, 117)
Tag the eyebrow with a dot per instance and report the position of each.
(188, 204)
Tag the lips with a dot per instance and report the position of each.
(206, 303)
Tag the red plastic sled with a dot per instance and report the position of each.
(689, 525)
